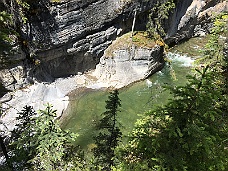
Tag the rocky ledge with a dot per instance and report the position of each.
(73, 36)
(127, 60)
(123, 63)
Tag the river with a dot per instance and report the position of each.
(85, 108)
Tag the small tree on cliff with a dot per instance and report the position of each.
(158, 14)
(7, 36)
(109, 134)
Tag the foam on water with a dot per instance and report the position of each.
(184, 60)
(149, 83)
(160, 73)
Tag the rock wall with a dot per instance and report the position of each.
(193, 18)
(127, 65)
(71, 36)
(74, 33)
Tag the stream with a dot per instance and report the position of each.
(88, 105)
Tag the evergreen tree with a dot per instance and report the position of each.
(190, 132)
(109, 134)
(38, 143)
(158, 14)
(6, 37)
(23, 146)
(54, 145)
(3, 146)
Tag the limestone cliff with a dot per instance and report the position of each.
(193, 18)
(71, 36)
(128, 60)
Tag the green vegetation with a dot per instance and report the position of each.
(139, 39)
(23, 145)
(213, 52)
(38, 143)
(14, 15)
(189, 132)
(6, 37)
(109, 134)
(158, 15)
(11, 21)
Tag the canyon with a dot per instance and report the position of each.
(74, 45)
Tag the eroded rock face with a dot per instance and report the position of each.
(127, 65)
(74, 33)
(71, 36)
(15, 78)
(193, 18)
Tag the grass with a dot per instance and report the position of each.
(140, 39)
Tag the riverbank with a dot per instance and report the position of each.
(111, 72)
(86, 105)
(63, 90)
(39, 94)
(60, 92)
(118, 67)
(56, 93)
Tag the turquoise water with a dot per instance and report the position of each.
(85, 108)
